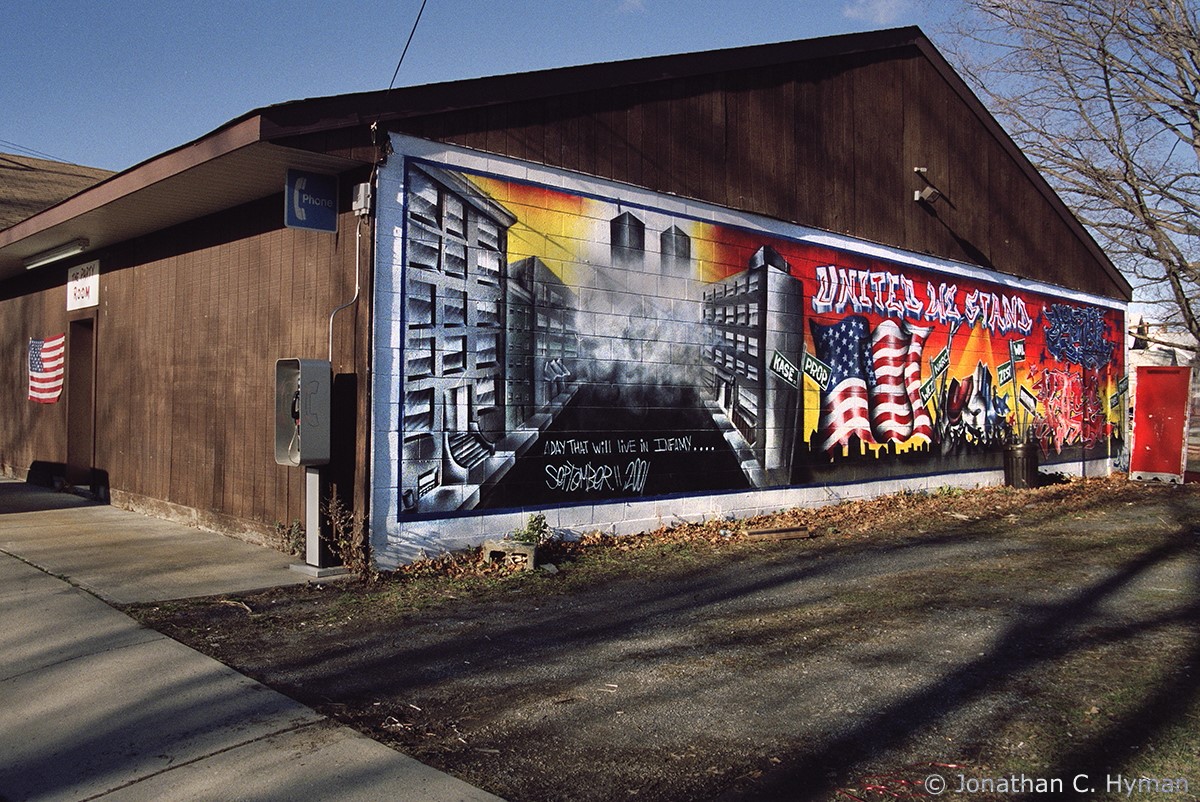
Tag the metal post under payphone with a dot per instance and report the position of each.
(313, 557)
(302, 438)
(312, 516)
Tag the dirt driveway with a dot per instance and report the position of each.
(1051, 634)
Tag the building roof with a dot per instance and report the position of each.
(29, 185)
(246, 158)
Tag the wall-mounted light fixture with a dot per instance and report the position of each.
(930, 193)
(54, 254)
(927, 195)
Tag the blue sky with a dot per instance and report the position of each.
(110, 84)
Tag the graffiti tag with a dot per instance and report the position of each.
(1078, 335)
(592, 478)
(998, 313)
(1074, 409)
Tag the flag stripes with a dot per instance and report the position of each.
(874, 390)
(47, 361)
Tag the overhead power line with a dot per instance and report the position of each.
(28, 151)
(411, 33)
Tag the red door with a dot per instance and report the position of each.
(1160, 423)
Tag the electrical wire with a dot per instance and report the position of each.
(411, 33)
(22, 150)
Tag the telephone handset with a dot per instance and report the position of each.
(294, 446)
(297, 207)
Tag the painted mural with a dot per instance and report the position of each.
(562, 347)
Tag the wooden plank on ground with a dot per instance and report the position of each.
(781, 533)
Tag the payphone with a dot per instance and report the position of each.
(303, 393)
(303, 408)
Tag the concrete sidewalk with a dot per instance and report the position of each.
(95, 706)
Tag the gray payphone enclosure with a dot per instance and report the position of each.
(303, 391)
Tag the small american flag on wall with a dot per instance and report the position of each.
(46, 366)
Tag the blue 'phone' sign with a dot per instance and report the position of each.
(310, 201)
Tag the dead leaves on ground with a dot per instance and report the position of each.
(875, 518)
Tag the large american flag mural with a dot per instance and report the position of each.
(875, 385)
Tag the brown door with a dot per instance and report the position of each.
(81, 401)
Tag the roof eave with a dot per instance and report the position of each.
(229, 167)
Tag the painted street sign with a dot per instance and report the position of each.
(941, 362)
(817, 370)
(782, 367)
(1004, 373)
(1029, 401)
(928, 390)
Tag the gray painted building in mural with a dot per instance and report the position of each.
(752, 319)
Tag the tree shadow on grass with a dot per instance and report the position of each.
(1045, 634)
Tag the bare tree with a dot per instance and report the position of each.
(1102, 96)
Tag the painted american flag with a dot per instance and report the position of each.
(845, 404)
(922, 424)
(47, 359)
(874, 391)
(891, 411)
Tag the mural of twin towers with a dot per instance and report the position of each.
(592, 367)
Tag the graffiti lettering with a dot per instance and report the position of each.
(943, 303)
(912, 305)
(591, 478)
(889, 294)
(673, 443)
(999, 313)
(1096, 427)
(1079, 335)
(835, 289)
(1061, 394)
(893, 295)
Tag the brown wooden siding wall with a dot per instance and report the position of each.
(830, 144)
(190, 324)
(31, 306)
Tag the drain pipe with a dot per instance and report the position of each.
(362, 208)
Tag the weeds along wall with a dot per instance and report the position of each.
(619, 359)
